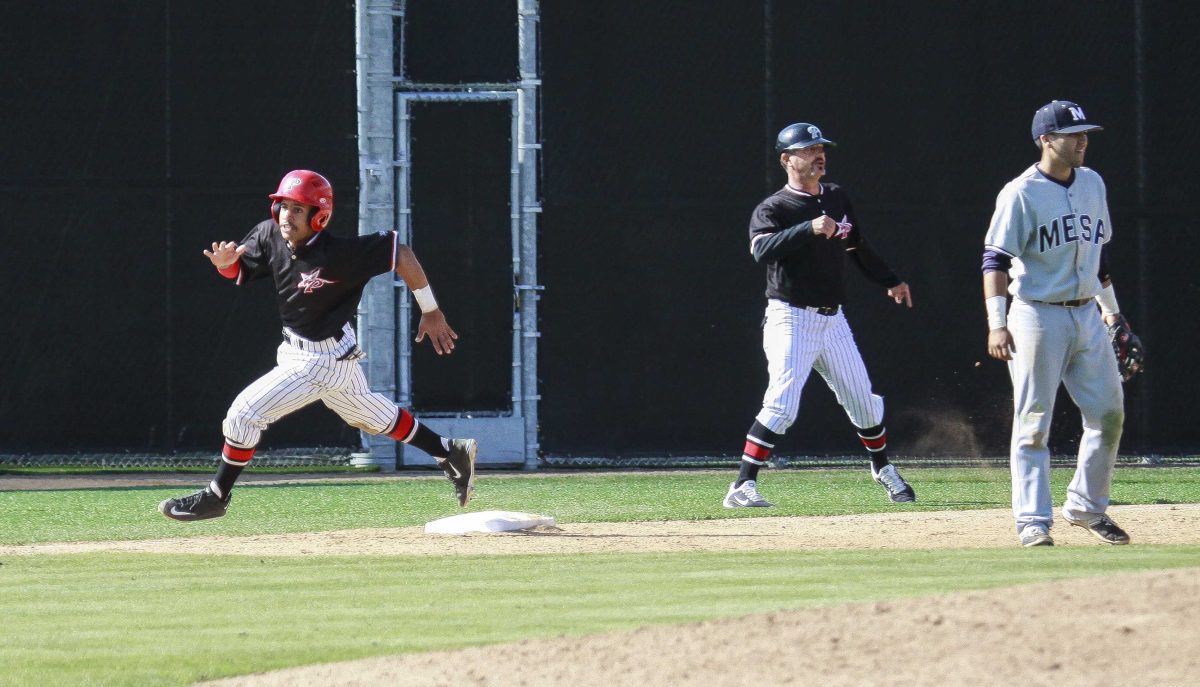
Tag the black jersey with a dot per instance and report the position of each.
(803, 268)
(319, 284)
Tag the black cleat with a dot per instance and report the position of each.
(898, 490)
(202, 505)
(1103, 528)
(460, 467)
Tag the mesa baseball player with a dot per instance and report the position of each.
(319, 280)
(1049, 232)
(803, 233)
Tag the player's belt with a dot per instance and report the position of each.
(321, 346)
(828, 312)
(1070, 304)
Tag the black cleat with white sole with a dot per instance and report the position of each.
(1103, 528)
(202, 505)
(460, 468)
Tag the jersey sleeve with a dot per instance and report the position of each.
(1106, 217)
(770, 241)
(1010, 227)
(256, 260)
(863, 254)
(376, 253)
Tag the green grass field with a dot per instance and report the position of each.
(152, 619)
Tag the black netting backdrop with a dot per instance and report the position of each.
(140, 133)
(931, 107)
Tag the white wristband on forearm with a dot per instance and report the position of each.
(997, 314)
(1107, 298)
(425, 299)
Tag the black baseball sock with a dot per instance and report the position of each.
(874, 439)
(233, 460)
(429, 441)
(227, 474)
(756, 451)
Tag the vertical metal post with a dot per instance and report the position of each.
(404, 233)
(376, 146)
(528, 149)
(515, 221)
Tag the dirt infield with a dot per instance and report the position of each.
(1159, 524)
(1132, 629)
(1128, 629)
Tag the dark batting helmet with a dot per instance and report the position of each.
(310, 188)
(797, 136)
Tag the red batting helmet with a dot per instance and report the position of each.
(309, 188)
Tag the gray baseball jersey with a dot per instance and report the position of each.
(1054, 234)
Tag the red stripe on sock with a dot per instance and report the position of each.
(237, 455)
(755, 451)
(404, 426)
(877, 444)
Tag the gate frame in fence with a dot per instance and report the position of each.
(385, 103)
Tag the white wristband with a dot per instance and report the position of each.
(997, 314)
(425, 299)
(1107, 298)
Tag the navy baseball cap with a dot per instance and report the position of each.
(1061, 117)
(797, 136)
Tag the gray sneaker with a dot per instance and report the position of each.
(1036, 534)
(460, 468)
(898, 490)
(745, 496)
(1103, 528)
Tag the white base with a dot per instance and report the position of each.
(487, 521)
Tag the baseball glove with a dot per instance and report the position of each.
(1131, 357)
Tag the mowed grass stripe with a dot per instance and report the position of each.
(131, 513)
(128, 619)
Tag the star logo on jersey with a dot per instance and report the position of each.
(310, 281)
(844, 227)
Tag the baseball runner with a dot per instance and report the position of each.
(803, 233)
(1050, 232)
(319, 280)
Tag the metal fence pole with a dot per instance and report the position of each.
(376, 148)
(529, 149)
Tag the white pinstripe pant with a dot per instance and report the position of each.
(307, 371)
(798, 341)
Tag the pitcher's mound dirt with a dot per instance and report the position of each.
(1121, 630)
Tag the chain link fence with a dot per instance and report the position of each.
(279, 458)
(846, 461)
